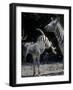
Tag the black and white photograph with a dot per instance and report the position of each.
(40, 44)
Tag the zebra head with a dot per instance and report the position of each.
(51, 27)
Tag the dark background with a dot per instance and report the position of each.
(31, 21)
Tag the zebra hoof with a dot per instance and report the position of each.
(34, 74)
(39, 74)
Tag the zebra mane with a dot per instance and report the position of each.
(38, 29)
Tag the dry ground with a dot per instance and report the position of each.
(45, 69)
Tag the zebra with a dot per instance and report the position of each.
(37, 48)
(56, 27)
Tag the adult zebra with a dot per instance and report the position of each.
(56, 27)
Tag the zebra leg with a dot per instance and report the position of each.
(54, 50)
(38, 64)
(34, 66)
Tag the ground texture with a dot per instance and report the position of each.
(45, 69)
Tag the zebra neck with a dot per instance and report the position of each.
(59, 33)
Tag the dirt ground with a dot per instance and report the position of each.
(45, 69)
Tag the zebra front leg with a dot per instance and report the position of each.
(34, 66)
(38, 64)
(54, 50)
